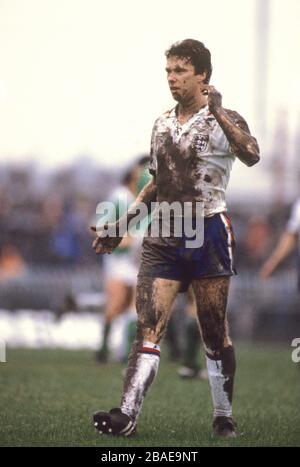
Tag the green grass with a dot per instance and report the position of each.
(48, 397)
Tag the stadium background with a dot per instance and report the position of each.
(81, 85)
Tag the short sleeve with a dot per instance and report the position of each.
(293, 225)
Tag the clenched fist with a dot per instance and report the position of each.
(214, 97)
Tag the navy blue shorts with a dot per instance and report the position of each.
(169, 258)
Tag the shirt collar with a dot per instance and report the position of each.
(172, 113)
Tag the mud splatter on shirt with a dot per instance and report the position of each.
(192, 161)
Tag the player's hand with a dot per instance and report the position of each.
(214, 97)
(103, 243)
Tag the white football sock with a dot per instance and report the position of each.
(141, 371)
(221, 375)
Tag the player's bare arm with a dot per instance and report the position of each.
(286, 244)
(104, 243)
(243, 144)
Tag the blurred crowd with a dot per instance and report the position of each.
(45, 218)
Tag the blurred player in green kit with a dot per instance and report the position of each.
(121, 267)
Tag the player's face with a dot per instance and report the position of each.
(183, 81)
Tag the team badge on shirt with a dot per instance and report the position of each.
(200, 142)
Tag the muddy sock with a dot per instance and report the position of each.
(221, 369)
(142, 368)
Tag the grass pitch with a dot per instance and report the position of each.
(48, 398)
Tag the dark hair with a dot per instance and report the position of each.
(127, 176)
(129, 172)
(196, 53)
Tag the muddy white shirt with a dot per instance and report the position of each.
(192, 162)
